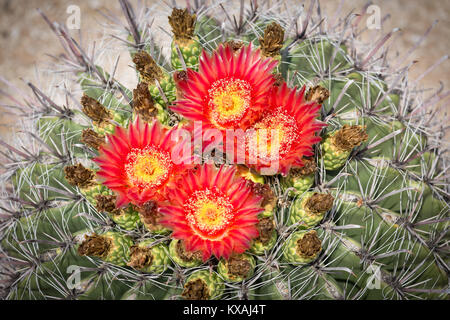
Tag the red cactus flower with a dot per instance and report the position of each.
(212, 211)
(285, 134)
(229, 91)
(138, 163)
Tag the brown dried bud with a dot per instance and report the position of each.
(309, 167)
(143, 103)
(179, 77)
(317, 94)
(196, 290)
(185, 255)
(182, 23)
(279, 80)
(235, 45)
(319, 203)
(238, 266)
(96, 111)
(150, 215)
(349, 137)
(106, 203)
(264, 191)
(273, 40)
(78, 175)
(265, 228)
(147, 67)
(95, 245)
(309, 245)
(140, 257)
(92, 138)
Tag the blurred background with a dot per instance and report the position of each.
(25, 39)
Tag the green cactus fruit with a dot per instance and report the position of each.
(155, 92)
(203, 285)
(146, 257)
(185, 42)
(111, 246)
(127, 218)
(309, 209)
(302, 247)
(237, 268)
(338, 145)
(182, 257)
(301, 179)
(267, 236)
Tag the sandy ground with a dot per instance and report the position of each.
(25, 39)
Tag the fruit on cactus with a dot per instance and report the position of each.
(149, 257)
(237, 268)
(111, 247)
(182, 256)
(301, 179)
(212, 211)
(137, 163)
(127, 218)
(302, 247)
(160, 83)
(101, 116)
(185, 42)
(203, 285)
(285, 134)
(150, 217)
(310, 209)
(229, 91)
(267, 236)
(338, 145)
(146, 107)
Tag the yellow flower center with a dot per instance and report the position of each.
(147, 168)
(229, 100)
(209, 211)
(273, 136)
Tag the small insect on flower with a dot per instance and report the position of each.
(213, 211)
(285, 134)
(138, 163)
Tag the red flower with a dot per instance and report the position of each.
(285, 134)
(212, 211)
(229, 91)
(137, 163)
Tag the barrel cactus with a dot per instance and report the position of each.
(94, 207)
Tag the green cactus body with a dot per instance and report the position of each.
(215, 285)
(242, 262)
(190, 51)
(190, 262)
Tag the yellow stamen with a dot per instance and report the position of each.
(229, 100)
(273, 136)
(147, 167)
(209, 211)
